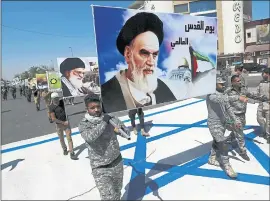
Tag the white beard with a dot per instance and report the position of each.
(75, 82)
(145, 83)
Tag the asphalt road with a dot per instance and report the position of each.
(21, 121)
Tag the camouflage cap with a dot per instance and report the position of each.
(220, 80)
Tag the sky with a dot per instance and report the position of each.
(69, 22)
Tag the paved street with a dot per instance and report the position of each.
(21, 121)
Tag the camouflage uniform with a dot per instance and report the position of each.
(243, 81)
(219, 114)
(240, 109)
(263, 113)
(105, 157)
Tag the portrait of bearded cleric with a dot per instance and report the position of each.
(148, 58)
(138, 85)
(77, 78)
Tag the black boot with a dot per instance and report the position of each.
(65, 152)
(72, 156)
(245, 156)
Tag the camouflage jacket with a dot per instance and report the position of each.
(264, 90)
(101, 141)
(219, 108)
(238, 106)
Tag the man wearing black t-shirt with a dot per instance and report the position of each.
(58, 115)
(36, 93)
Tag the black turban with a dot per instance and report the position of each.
(70, 64)
(137, 24)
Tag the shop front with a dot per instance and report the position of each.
(263, 57)
(259, 54)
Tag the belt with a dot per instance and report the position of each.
(238, 114)
(112, 164)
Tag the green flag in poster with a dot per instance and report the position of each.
(54, 81)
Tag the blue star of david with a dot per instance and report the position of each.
(139, 186)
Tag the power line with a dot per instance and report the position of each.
(37, 32)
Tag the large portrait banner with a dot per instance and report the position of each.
(79, 76)
(148, 58)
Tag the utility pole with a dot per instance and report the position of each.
(71, 51)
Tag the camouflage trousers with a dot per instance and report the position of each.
(109, 179)
(263, 118)
(220, 147)
(238, 134)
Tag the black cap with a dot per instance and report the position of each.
(70, 64)
(137, 24)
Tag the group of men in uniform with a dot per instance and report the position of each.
(227, 114)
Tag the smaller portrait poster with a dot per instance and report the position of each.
(54, 81)
(79, 76)
(41, 81)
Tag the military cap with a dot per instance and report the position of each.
(220, 80)
(137, 24)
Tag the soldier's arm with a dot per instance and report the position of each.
(217, 98)
(91, 132)
(256, 95)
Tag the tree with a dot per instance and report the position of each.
(17, 75)
(47, 68)
(25, 75)
(32, 71)
(39, 70)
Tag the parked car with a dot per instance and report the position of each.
(254, 67)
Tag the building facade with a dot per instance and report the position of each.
(231, 16)
(257, 42)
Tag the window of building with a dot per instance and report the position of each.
(249, 35)
(209, 14)
(181, 8)
(199, 6)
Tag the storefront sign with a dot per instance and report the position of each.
(265, 53)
